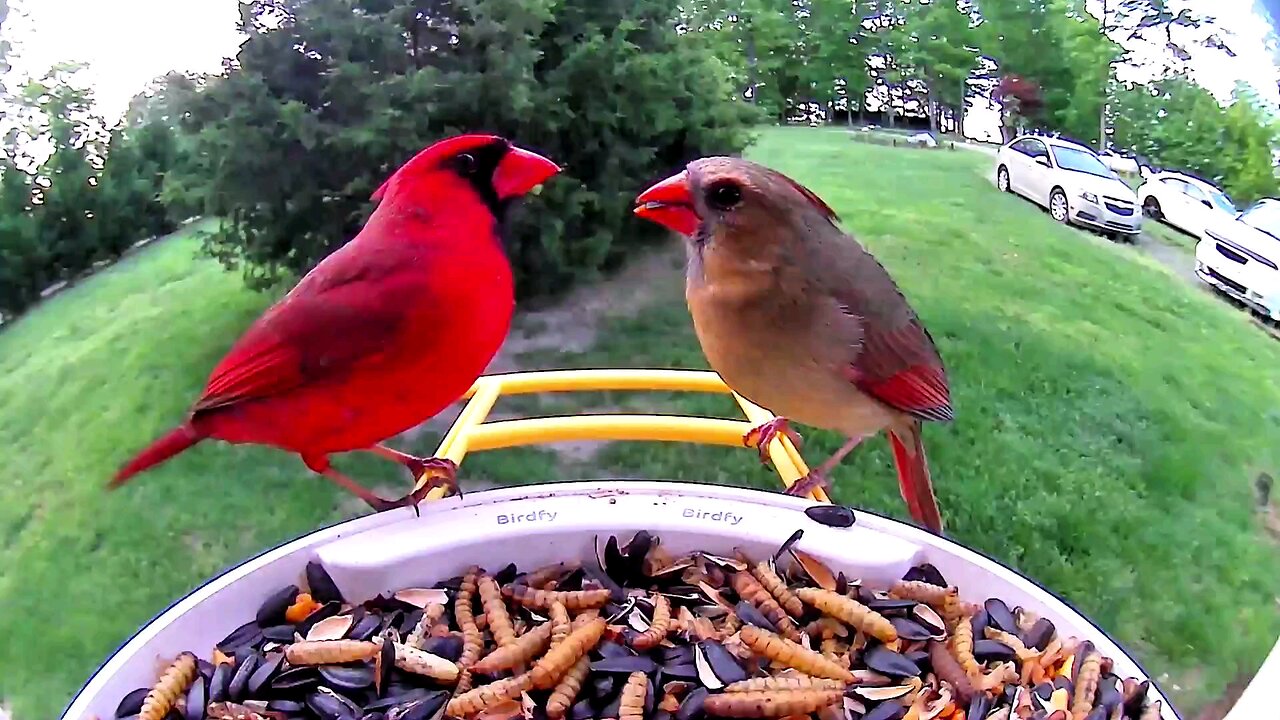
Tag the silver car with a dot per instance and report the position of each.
(1071, 181)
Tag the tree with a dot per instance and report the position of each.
(935, 42)
(327, 97)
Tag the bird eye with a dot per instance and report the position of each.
(724, 196)
(466, 163)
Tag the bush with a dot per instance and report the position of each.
(327, 97)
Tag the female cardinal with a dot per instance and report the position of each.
(385, 332)
(798, 318)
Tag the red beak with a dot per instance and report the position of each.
(520, 171)
(670, 204)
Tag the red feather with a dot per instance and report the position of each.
(900, 368)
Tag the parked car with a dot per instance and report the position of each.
(1240, 256)
(1184, 202)
(1119, 163)
(1071, 181)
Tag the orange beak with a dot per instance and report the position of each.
(670, 204)
(520, 171)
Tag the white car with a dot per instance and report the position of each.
(1118, 162)
(1184, 202)
(1071, 181)
(1240, 255)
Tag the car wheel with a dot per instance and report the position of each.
(1002, 179)
(1058, 205)
(1151, 208)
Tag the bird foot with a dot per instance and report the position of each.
(762, 436)
(808, 484)
(433, 471)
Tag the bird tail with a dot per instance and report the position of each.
(177, 440)
(913, 476)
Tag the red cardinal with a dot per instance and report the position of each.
(385, 332)
(799, 318)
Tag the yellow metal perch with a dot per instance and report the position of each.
(470, 431)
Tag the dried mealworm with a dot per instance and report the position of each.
(535, 599)
(472, 639)
(566, 690)
(850, 611)
(557, 662)
(792, 654)
(834, 650)
(750, 589)
(1013, 641)
(1086, 685)
(496, 610)
(473, 701)
(825, 627)
(423, 663)
(920, 591)
(785, 682)
(777, 588)
(559, 620)
(171, 686)
(769, 704)
(949, 670)
(658, 626)
(999, 676)
(732, 623)
(631, 703)
(523, 650)
(962, 646)
(330, 652)
(420, 633)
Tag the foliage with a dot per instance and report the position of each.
(327, 97)
(93, 196)
(1178, 125)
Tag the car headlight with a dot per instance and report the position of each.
(1090, 197)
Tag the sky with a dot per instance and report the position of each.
(129, 42)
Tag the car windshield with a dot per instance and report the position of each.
(1264, 216)
(1080, 161)
(1223, 202)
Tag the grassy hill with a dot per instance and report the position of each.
(1110, 423)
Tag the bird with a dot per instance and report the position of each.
(798, 317)
(383, 333)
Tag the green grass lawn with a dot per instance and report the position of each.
(1110, 422)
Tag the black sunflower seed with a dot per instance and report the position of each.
(1001, 616)
(131, 704)
(909, 629)
(1109, 695)
(423, 708)
(324, 612)
(887, 662)
(891, 710)
(992, 651)
(399, 698)
(279, 633)
(979, 705)
(365, 628)
(925, 572)
(722, 662)
(1134, 707)
(582, 710)
(197, 700)
(1064, 683)
(1098, 713)
(205, 668)
(345, 677)
(691, 706)
(842, 584)
(613, 649)
(322, 587)
(682, 671)
(1039, 635)
(331, 706)
(240, 681)
(505, 575)
(786, 544)
(246, 636)
(220, 681)
(919, 657)
(602, 687)
(286, 706)
(298, 678)
(748, 614)
(679, 654)
(830, 515)
(448, 647)
(382, 668)
(890, 605)
(267, 667)
(979, 622)
(271, 611)
(624, 664)
(410, 621)
(610, 710)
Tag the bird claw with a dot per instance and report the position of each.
(808, 484)
(761, 436)
(433, 471)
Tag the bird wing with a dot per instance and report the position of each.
(349, 309)
(896, 361)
